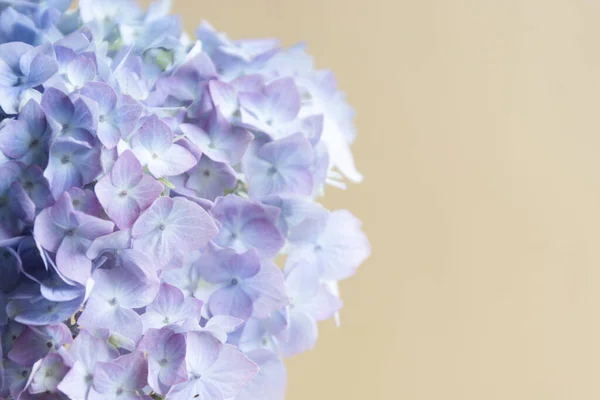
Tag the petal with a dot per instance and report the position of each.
(267, 289)
(46, 233)
(58, 106)
(270, 382)
(283, 100)
(127, 171)
(224, 97)
(42, 312)
(203, 350)
(80, 71)
(155, 135)
(231, 300)
(231, 371)
(302, 333)
(72, 261)
(146, 191)
(102, 94)
(190, 225)
(176, 160)
(109, 134)
(15, 139)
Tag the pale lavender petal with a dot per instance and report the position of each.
(270, 382)
(283, 100)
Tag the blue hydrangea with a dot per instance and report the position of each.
(149, 184)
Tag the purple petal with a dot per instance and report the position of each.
(224, 97)
(34, 344)
(170, 225)
(284, 100)
(122, 377)
(42, 312)
(231, 300)
(15, 139)
(210, 179)
(155, 135)
(58, 106)
(127, 171)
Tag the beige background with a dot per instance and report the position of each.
(479, 135)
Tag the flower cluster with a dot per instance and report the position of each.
(148, 183)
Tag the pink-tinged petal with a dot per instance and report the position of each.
(146, 191)
(155, 135)
(176, 348)
(172, 225)
(127, 171)
(230, 372)
(284, 100)
(123, 211)
(176, 160)
(91, 227)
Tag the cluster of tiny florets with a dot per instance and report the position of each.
(148, 183)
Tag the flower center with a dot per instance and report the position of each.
(162, 227)
(206, 173)
(34, 143)
(235, 282)
(164, 361)
(65, 160)
(123, 193)
(272, 171)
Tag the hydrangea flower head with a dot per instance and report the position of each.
(149, 184)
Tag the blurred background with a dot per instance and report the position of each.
(479, 135)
